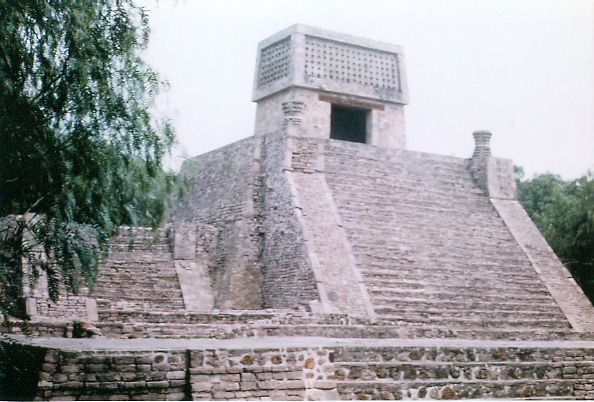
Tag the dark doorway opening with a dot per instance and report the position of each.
(348, 124)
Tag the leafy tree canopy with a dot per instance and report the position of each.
(78, 146)
(564, 213)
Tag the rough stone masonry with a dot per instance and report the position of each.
(320, 259)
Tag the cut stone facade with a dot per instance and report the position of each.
(306, 70)
(304, 266)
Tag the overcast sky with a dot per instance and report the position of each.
(521, 69)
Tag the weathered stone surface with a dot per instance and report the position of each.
(302, 267)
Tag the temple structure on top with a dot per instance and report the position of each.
(331, 85)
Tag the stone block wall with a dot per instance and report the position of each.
(67, 307)
(224, 194)
(194, 246)
(208, 374)
(339, 282)
(22, 296)
(310, 112)
(113, 375)
(288, 277)
(302, 71)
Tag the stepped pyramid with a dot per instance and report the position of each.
(321, 259)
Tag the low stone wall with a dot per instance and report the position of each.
(272, 328)
(434, 369)
(454, 372)
(279, 374)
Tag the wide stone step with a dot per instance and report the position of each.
(144, 284)
(424, 281)
(156, 300)
(437, 287)
(402, 192)
(444, 261)
(138, 247)
(364, 220)
(394, 176)
(411, 185)
(193, 317)
(498, 314)
(383, 170)
(441, 256)
(380, 200)
(450, 242)
(142, 295)
(398, 305)
(407, 267)
(133, 259)
(395, 296)
(358, 195)
(133, 276)
(469, 233)
(403, 163)
(398, 275)
(419, 238)
(341, 149)
(479, 323)
(178, 325)
(427, 195)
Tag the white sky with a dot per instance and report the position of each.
(521, 69)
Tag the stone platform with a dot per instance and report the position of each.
(297, 368)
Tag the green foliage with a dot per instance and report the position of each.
(78, 146)
(564, 213)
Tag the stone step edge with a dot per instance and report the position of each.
(490, 363)
(423, 383)
(482, 290)
(439, 316)
(396, 296)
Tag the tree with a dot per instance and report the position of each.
(78, 146)
(564, 213)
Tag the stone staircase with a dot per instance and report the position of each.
(139, 274)
(458, 371)
(430, 245)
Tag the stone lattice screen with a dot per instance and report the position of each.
(274, 62)
(328, 60)
(307, 57)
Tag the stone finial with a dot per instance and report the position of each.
(482, 145)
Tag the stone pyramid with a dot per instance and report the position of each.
(321, 259)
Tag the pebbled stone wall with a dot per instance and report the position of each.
(279, 374)
(450, 372)
(418, 371)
